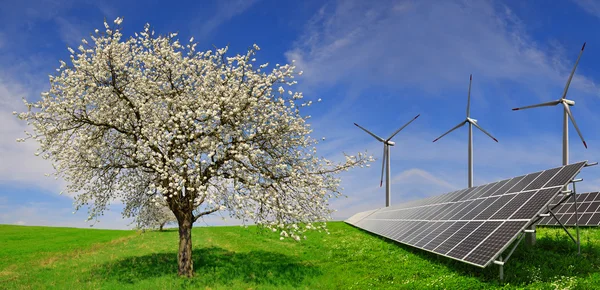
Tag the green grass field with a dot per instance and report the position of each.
(239, 258)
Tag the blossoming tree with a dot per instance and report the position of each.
(150, 214)
(149, 118)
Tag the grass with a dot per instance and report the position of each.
(238, 258)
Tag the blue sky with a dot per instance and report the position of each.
(377, 65)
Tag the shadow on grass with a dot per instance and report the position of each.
(213, 266)
(552, 256)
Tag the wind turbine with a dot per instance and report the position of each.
(566, 112)
(472, 122)
(385, 165)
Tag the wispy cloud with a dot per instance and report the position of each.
(423, 177)
(72, 31)
(19, 164)
(225, 11)
(106, 9)
(590, 6)
(416, 48)
(413, 44)
(45, 214)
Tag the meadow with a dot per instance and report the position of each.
(248, 258)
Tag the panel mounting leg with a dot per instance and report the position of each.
(501, 269)
(530, 240)
(576, 220)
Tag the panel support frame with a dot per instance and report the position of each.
(500, 262)
(568, 194)
(576, 218)
(529, 231)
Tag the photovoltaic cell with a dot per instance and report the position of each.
(563, 176)
(509, 185)
(490, 189)
(479, 208)
(444, 235)
(474, 239)
(572, 219)
(494, 207)
(512, 206)
(438, 230)
(474, 225)
(426, 230)
(543, 179)
(457, 237)
(496, 186)
(495, 242)
(469, 192)
(435, 226)
(414, 232)
(587, 208)
(585, 218)
(594, 220)
(460, 195)
(530, 209)
(524, 182)
(591, 196)
(566, 217)
(474, 193)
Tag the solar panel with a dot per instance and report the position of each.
(472, 225)
(588, 210)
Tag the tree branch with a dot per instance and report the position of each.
(196, 217)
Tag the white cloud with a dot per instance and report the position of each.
(590, 6)
(225, 11)
(19, 164)
(422, 177)
(106, 9)
(431, 49)
(72, 31)
(413, 44)
(48, 214)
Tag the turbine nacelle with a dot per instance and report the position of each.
(568, 102)
(472, 121)
(391, 143)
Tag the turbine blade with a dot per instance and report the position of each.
(469, 96)
(564, 95)
(456, 127)
(553, 103)
(574, 123)
(383, 163)
(376, 137)
(388, 139)
(484, 131)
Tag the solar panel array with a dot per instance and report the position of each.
(588, 211)
(472, 225)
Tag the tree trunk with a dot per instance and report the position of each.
(184, 258)
(161, 227)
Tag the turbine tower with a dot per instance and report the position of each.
(385, 165)
(472, 122)
(566, 113)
